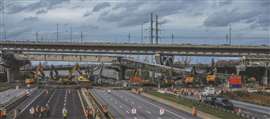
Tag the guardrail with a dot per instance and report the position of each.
(100, 106)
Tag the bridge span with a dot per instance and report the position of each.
(137, 49)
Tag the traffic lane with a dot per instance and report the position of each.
(56, 104)
(155, 106)
(123, 101)
(31, 98)
(142, 111)
(74, 105)
(41, 101)
(115, 110)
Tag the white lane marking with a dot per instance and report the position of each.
(135, 117)
(179, 116)
(31, 102)
(81, 101)
(148, 112)
(65, 100)
(50, 98)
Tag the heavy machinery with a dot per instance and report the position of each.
(38, 75)
(211, 76)
(136, 79)
(189, 78)
(77, 74)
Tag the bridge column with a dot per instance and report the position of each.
(266, 79)
(13, 74)
(122, 73)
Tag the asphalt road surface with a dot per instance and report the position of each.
(120, 103)
(57, 99)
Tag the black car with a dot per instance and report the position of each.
(218, 101)
(225, 103)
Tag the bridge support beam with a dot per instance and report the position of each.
(122, 73)
(266, 79)
(13, 74)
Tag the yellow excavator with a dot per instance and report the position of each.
(81, 77)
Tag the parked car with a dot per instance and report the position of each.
(224, 103)
(218, 101)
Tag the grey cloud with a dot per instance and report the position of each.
(101, 6)
(131, 13)
(42, 11)
(30, 19)
(223, 18)
(256, 14)
(17, 32)
(16, 7)
(88, 13)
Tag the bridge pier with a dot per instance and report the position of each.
(122, 73)
(13, 74)
(266, 79)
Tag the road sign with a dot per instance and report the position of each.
(161, 111)
(133, 111)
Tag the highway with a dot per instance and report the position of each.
(57, 99)
(120, 104)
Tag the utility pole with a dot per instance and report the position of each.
(3, 24)
(172, 38)
(81, 37)
(230, 34)
(57, 33)
(142, 33)
(36, 36)
(151, 28)
(157, 29)
(129, 37)
(71, 33)
(227, 38)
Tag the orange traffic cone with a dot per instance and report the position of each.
(194, 111)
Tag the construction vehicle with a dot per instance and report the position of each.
(29, 81)
(135, 79)
(189, 78)
(37, 75)
(211, 76)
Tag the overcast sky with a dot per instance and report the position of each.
(112, 20)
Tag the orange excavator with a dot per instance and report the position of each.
(135, 79)
(39, 73)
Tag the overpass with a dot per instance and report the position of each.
(66, 57)
(137, 49)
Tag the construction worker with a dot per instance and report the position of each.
(32, 111)
(65, 113)
(37, 114)
(88, 113)
(4, 114)
(42, 111)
